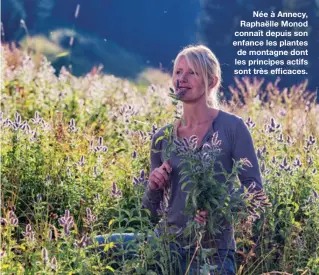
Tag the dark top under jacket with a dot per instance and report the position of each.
(236, 143)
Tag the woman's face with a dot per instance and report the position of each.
(187, 81)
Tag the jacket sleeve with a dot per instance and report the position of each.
(152, 199)
(243, 147)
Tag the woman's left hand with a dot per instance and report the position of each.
(201, 216)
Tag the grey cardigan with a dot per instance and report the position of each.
(236, 143)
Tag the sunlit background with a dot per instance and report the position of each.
(127, 37)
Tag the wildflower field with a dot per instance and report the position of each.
(75, 160)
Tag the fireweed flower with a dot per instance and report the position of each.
(134, 155)
(273, 126)
(37, 119)
(68, 172)
(6, 123)
(284, 165)
(115, 191)
(13, 219)
(309, 143)
(67, 222)
(29, 235)
(97, 197)
(3, 222)
(180, 94)
(259, 154)
(127, 111)
(25, 127)
(256, 200)
(95, 170)
(250, 123)
(246, 162)
(50, 235)
(262, 167)
(72, 127)
(153, 132)
(314, 197)
(214, 141)
(90, 218)
(17, 122)
(297, 162)
(289, 141)
(151, 89)
(100, 147)
(34, 136)
(82, 243)
(54, 264)
(309, 161)
(273, 160)
(91, 145)
(186, 144)
(45, 256)
(280, 139)
(81, 162)
(140, 180)
(143, 136)
(2, 254)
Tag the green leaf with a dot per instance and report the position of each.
(62, 54)
(185, 184)
(159, 139)
(108, 246)
(119, 150)
(109, 268)
(111, 222)
(183, 178)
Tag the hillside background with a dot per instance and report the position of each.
(126, 37)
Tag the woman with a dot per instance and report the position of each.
(196, 79)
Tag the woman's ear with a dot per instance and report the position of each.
(213, 83)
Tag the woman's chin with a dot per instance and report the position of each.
(181, 94)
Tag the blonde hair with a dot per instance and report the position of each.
(200, 58)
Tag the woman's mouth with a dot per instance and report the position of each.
(181, 91)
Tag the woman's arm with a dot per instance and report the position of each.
(243, 147)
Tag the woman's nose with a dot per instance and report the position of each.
(182, 77)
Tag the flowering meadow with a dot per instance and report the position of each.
(75, 160)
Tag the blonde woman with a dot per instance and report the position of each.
(196, 79)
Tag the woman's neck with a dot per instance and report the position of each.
(192, 120)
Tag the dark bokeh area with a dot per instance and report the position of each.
(128, 36)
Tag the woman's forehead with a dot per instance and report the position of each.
(184, 62)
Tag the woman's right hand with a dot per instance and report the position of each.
(159, 177)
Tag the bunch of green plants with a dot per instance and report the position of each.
(223, 201)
